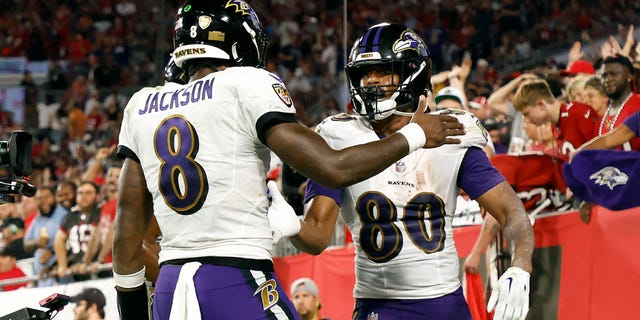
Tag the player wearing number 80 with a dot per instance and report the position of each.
(197, 156)
(406, 261)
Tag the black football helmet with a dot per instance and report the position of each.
(398, 49)
(220, 29)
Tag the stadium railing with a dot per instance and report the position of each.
(33, 278)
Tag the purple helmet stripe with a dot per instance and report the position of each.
(376, 41)
(363, 43)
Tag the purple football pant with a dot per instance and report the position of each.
(226, 293)
(448, 307)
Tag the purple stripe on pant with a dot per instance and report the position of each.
(448, 307)
(226, 293)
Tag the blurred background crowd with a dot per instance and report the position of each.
(80, 61)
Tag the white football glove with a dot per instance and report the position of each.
(282, 218)
(511, 298)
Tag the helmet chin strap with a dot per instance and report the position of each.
(385, 108)
(404, 114)
(390, 107)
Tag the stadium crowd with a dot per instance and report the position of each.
(99, 53)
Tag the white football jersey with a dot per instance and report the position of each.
(204, 163)
(401, 218)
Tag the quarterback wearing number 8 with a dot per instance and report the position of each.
(406, 261)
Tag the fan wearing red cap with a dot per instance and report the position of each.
(578, 67)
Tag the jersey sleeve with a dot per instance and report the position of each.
(633, 122)
(316, 189)
(127, 143)
(476, 175)
(67, 223)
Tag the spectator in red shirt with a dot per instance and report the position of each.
(575, 121)
(79, 48)
(617, 79)
(95, 119)
(9, 269)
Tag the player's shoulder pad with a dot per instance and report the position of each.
(475, 134)
(248, 75)
(339, 125)
(260, 82)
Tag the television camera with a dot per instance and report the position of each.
(15, 165)
(54, 304)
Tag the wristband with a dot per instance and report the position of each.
(415, 136)
(129, 281)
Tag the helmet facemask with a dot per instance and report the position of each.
(378, 102)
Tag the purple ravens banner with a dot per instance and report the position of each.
(610, 178)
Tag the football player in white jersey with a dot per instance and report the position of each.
(196, 157)
(406, 261)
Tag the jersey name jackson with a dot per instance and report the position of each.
(166, 100)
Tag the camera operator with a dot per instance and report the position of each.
(90, 304)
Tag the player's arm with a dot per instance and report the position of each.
(134, 210)
(313, 234)
(498, 100)
(505, 206)
(151, 251)
(307, 152)
(510, 299)
(92, 250)
(610, 140)
(60, 250)
(96, 168)
(107, 246)
(31, 243)
(318, 225)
